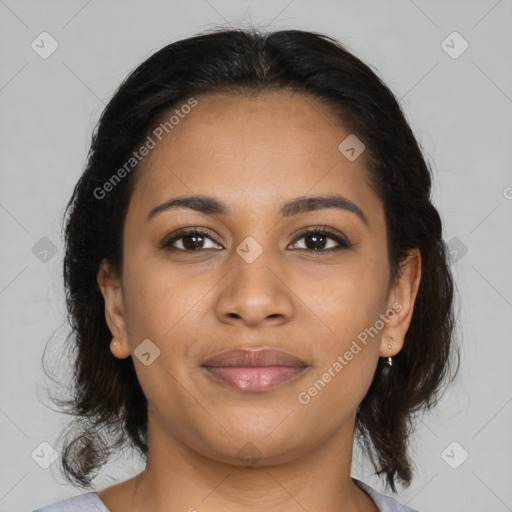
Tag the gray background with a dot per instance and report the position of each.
(460, 109)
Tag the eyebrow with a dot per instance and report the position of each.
(212, 206)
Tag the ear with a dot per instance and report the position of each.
(401, 301)
(111, 289)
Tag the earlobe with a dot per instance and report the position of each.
(401, 299)
(118, 349)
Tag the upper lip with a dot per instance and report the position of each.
(254, 358)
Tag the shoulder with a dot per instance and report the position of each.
(88, 502)
(384, 503)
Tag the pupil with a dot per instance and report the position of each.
(194, 244)
(316, 238)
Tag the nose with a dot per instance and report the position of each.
(255, 293)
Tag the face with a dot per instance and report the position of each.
(253, 278)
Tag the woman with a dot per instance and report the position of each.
(256, 277)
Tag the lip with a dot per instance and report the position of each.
(252, 358)
(253, 370)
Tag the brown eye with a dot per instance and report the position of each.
(317, 239)
(190, 240)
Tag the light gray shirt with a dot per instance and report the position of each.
(90, 502)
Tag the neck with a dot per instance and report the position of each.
(178, 478)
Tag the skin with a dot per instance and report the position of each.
(194, 304)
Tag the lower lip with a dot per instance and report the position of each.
(253, 379)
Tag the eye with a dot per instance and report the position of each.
(190, 239)
(318, 238)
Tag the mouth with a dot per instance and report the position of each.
(253, 370)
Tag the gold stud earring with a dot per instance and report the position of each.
(390, 359)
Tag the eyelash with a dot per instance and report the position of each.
(323, 231)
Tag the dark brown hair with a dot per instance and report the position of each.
(108, 403)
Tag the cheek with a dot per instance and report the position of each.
(350, 303)
(348, 297)
(159, 308)
(156, 297)
(336, 391)
(166, 305)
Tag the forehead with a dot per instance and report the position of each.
(257, 149)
